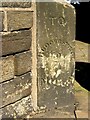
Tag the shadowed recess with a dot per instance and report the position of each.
(82, 21)
(82, 72)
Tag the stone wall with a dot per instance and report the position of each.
(37, 57)
(16, 58)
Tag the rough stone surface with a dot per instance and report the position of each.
(55, 38)
(7, 68)
(16, 42)
(22, 63)
(82, 101)
(1, 21)
(0, 45)
(18, 109)
(19, 20)
(82, 52)
(16, 4)
(55, 114)
(16, 89)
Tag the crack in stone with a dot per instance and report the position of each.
(75, 111)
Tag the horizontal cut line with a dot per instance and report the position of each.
(16, 9)
(8, 54)
(1, 83)
(21, 29)
(16, 101)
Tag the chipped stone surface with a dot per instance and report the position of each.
(16, 4)
(16, 42)
(7, 68)
(22, 63)
(19, 20)
(18, 109)
(55, 114)
(15, 89)
(55, 37)
(82, 51)
(82, 101)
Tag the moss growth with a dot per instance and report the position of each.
(78, 87)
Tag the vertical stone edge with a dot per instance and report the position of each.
(0, 33)
(1, 66)
(34, 59)
(89, 92)
(5, 21)
(74, 60)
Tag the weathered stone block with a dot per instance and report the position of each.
(16, 89)
(18, 109)
(16, 42)
(1, 21)
(19, 20)
(55, 39)
(16, 4)
(22, 63)
(7, 68)
(82, 51)
(0, 45)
